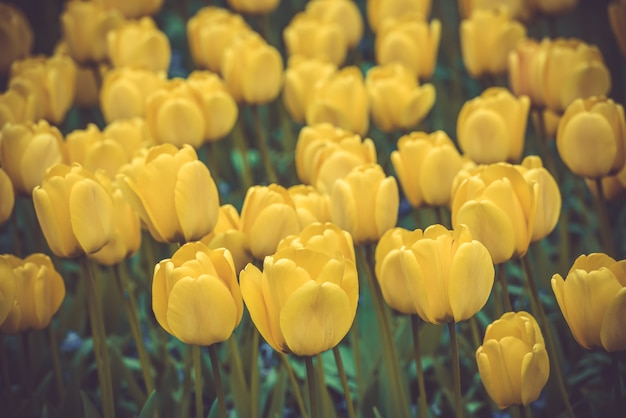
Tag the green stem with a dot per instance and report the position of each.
(514, 411)
(294, 385)
(356, 357)
(528, 413)
(456, 370)
(263, 146)
(219, 388)
(6, 379)
(184, 402)
(100, 349)
(344, 382)
(243, 408)
(543, 322)
(212, 160)
(130, 308)
(56, 363)
(321, 386)
(617, 383)
(197, 371)
(242, 150)
(310, 374)
(423, 403)
(603, 219)
(505, 288)
(254, 375)
(475, 332)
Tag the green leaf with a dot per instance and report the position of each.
(149, 408)
(89, 409)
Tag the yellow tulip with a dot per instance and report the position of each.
(304, 301)
(195, 295)
(132, 134)
(441, 275)
(592, 299)
(258, 7)
(344, 12)
(341, 100)
(139, 44)
(325, 237)
(133, 9)
(311, 37)
(18, 105)
(487, 38)
(16, 36)
(612, 186)
(325, 153)
(411, 41)
(268, 215)
(512, 361)
(39, 292)
(74, 210)
(519, 9)
(311, 205)
(365, 203)
(7, 198)
(591, 137)
(425, 165)
(498, 206)
(380, 10)
(8, 288)
(397, 101)
(492, 127)
(617, 19)
(173, 193)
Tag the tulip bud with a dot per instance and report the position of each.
(7, 199)
(326, 237)
(591, 137)
(513, 362)
(16, 36)
(133, 9)
(396, 99)
(18, 105)
(132, 134)
(139, 44)
(346, 13)
(380, 10)
(592, 299)
(311, 205)
(312, 38)
(28, 150)
(258, 7)
(304, 301)
(365, 203)
(39, 292)
(74, 210)
(492, 127)
(195, 295)
(426, 273)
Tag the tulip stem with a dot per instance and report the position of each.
(243, 408)
(219, 388)
(505, 288)
(56, 362)
(528, 413)
(310, 374)
(344, 382)
(423, 404)
(617, 382)
(603, 219)
(103, 362)
(212, 160)
(242, 150)
(294, 385)
(254, 375)
(197, 370)
(456, 370)
(356, 356)
(263, 146)
(543, 322)
(130, 308)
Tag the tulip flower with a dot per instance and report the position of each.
(18, 105)
(39, 292)
(173, 193)
(312, 38)
(132, 134)
(7, 197)
(365, 203)
(133, 9)
(592, 299)
(441, 275)
(519, 9)
(259, 7)
(512, 361)
(591, 137)
(195, 295)
(8, 287)
(380, 10)
(617, 19)
(16, 36)
(344, 12)
(139, 44)
(304, 301)
(322, 237)
(311, 205)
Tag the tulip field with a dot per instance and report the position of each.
(312, 208)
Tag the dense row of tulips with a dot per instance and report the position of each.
(297, 255)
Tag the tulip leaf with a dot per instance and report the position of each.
(279, 392)
(89, 409)
(150, 406)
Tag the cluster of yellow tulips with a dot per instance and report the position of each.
(327, 175)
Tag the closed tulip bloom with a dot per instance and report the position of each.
(28, 150)
(18, 105)
(244, 61)
(411, 41)
(304, 301)
(498, 206)
(85, 26)
(324, 237)
(195, 295)
(311, 205)
(512, 361)
(341, 100)
(268, 215)
(612, 186)
(139, 44)
(74, 210)
(440, 275)
(492, 127)
(308, 36)
(591, 137)
(380, 10)
(592, 299)
(487, 38)
(39, 292)
(125, 92)
(257, 7)
(16, 36)
(617, 19)
(228, 234)
(397, 101)
(426, 165)
(173, 193)
(365, 203)
(132, 134)
(548, 208)
(7, 198)
(346, 13)
(210, 32)
(133, 9)
(8, 287)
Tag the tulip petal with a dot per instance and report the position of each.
(535, 373)
(492, 366)
(315, 318)
(8, 288)
(484, 137)
(180, 121)
(387, 201)
(613, 331)
(196, 200)
(91, 215)
(272, 224)
(160, 293)
(396, 279)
